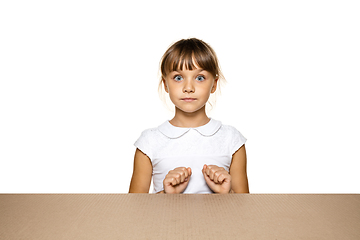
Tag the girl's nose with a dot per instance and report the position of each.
(188, 87)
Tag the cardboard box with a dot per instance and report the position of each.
(184, 216)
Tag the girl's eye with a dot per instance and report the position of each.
(200, 78)
(178, 78)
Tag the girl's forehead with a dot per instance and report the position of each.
(189, 70)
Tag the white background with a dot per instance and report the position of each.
(79, 84)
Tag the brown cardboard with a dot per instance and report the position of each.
(161, 216)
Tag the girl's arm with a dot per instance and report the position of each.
(141, 178)
(239, 180)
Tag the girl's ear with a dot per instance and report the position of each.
(165, 86)
(213, 89)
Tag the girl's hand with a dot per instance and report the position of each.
(217, 178)
(177, 180)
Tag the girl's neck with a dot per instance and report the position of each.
(189, 120)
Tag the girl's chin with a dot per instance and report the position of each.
(190, 109)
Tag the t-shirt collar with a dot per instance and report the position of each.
(207, 130)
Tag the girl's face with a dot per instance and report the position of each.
(189, 90)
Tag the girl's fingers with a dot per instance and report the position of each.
(174, 181)
(221, 178)
(207, 171)
(178, 175)
(189, 171)
(170, 179)
(210, 171)
(215, 173)
(177, 180)
(182, 174)
(212, 174)
(216, 177)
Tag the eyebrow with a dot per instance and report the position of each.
(197, 69)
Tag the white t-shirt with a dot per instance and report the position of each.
(169, 147)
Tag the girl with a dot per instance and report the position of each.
(191, 153)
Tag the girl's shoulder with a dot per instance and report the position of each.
(149, 133)
(232, 137)
(148, 141)
(152, 134)
(230, 130)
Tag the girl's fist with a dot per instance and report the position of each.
(217, 178)
(177, 180)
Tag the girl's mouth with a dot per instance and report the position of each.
(188, 99)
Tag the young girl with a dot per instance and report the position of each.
(191, 153)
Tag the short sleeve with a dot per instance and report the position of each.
(144, 143)
(237, 140)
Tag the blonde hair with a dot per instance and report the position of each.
(189, 54)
